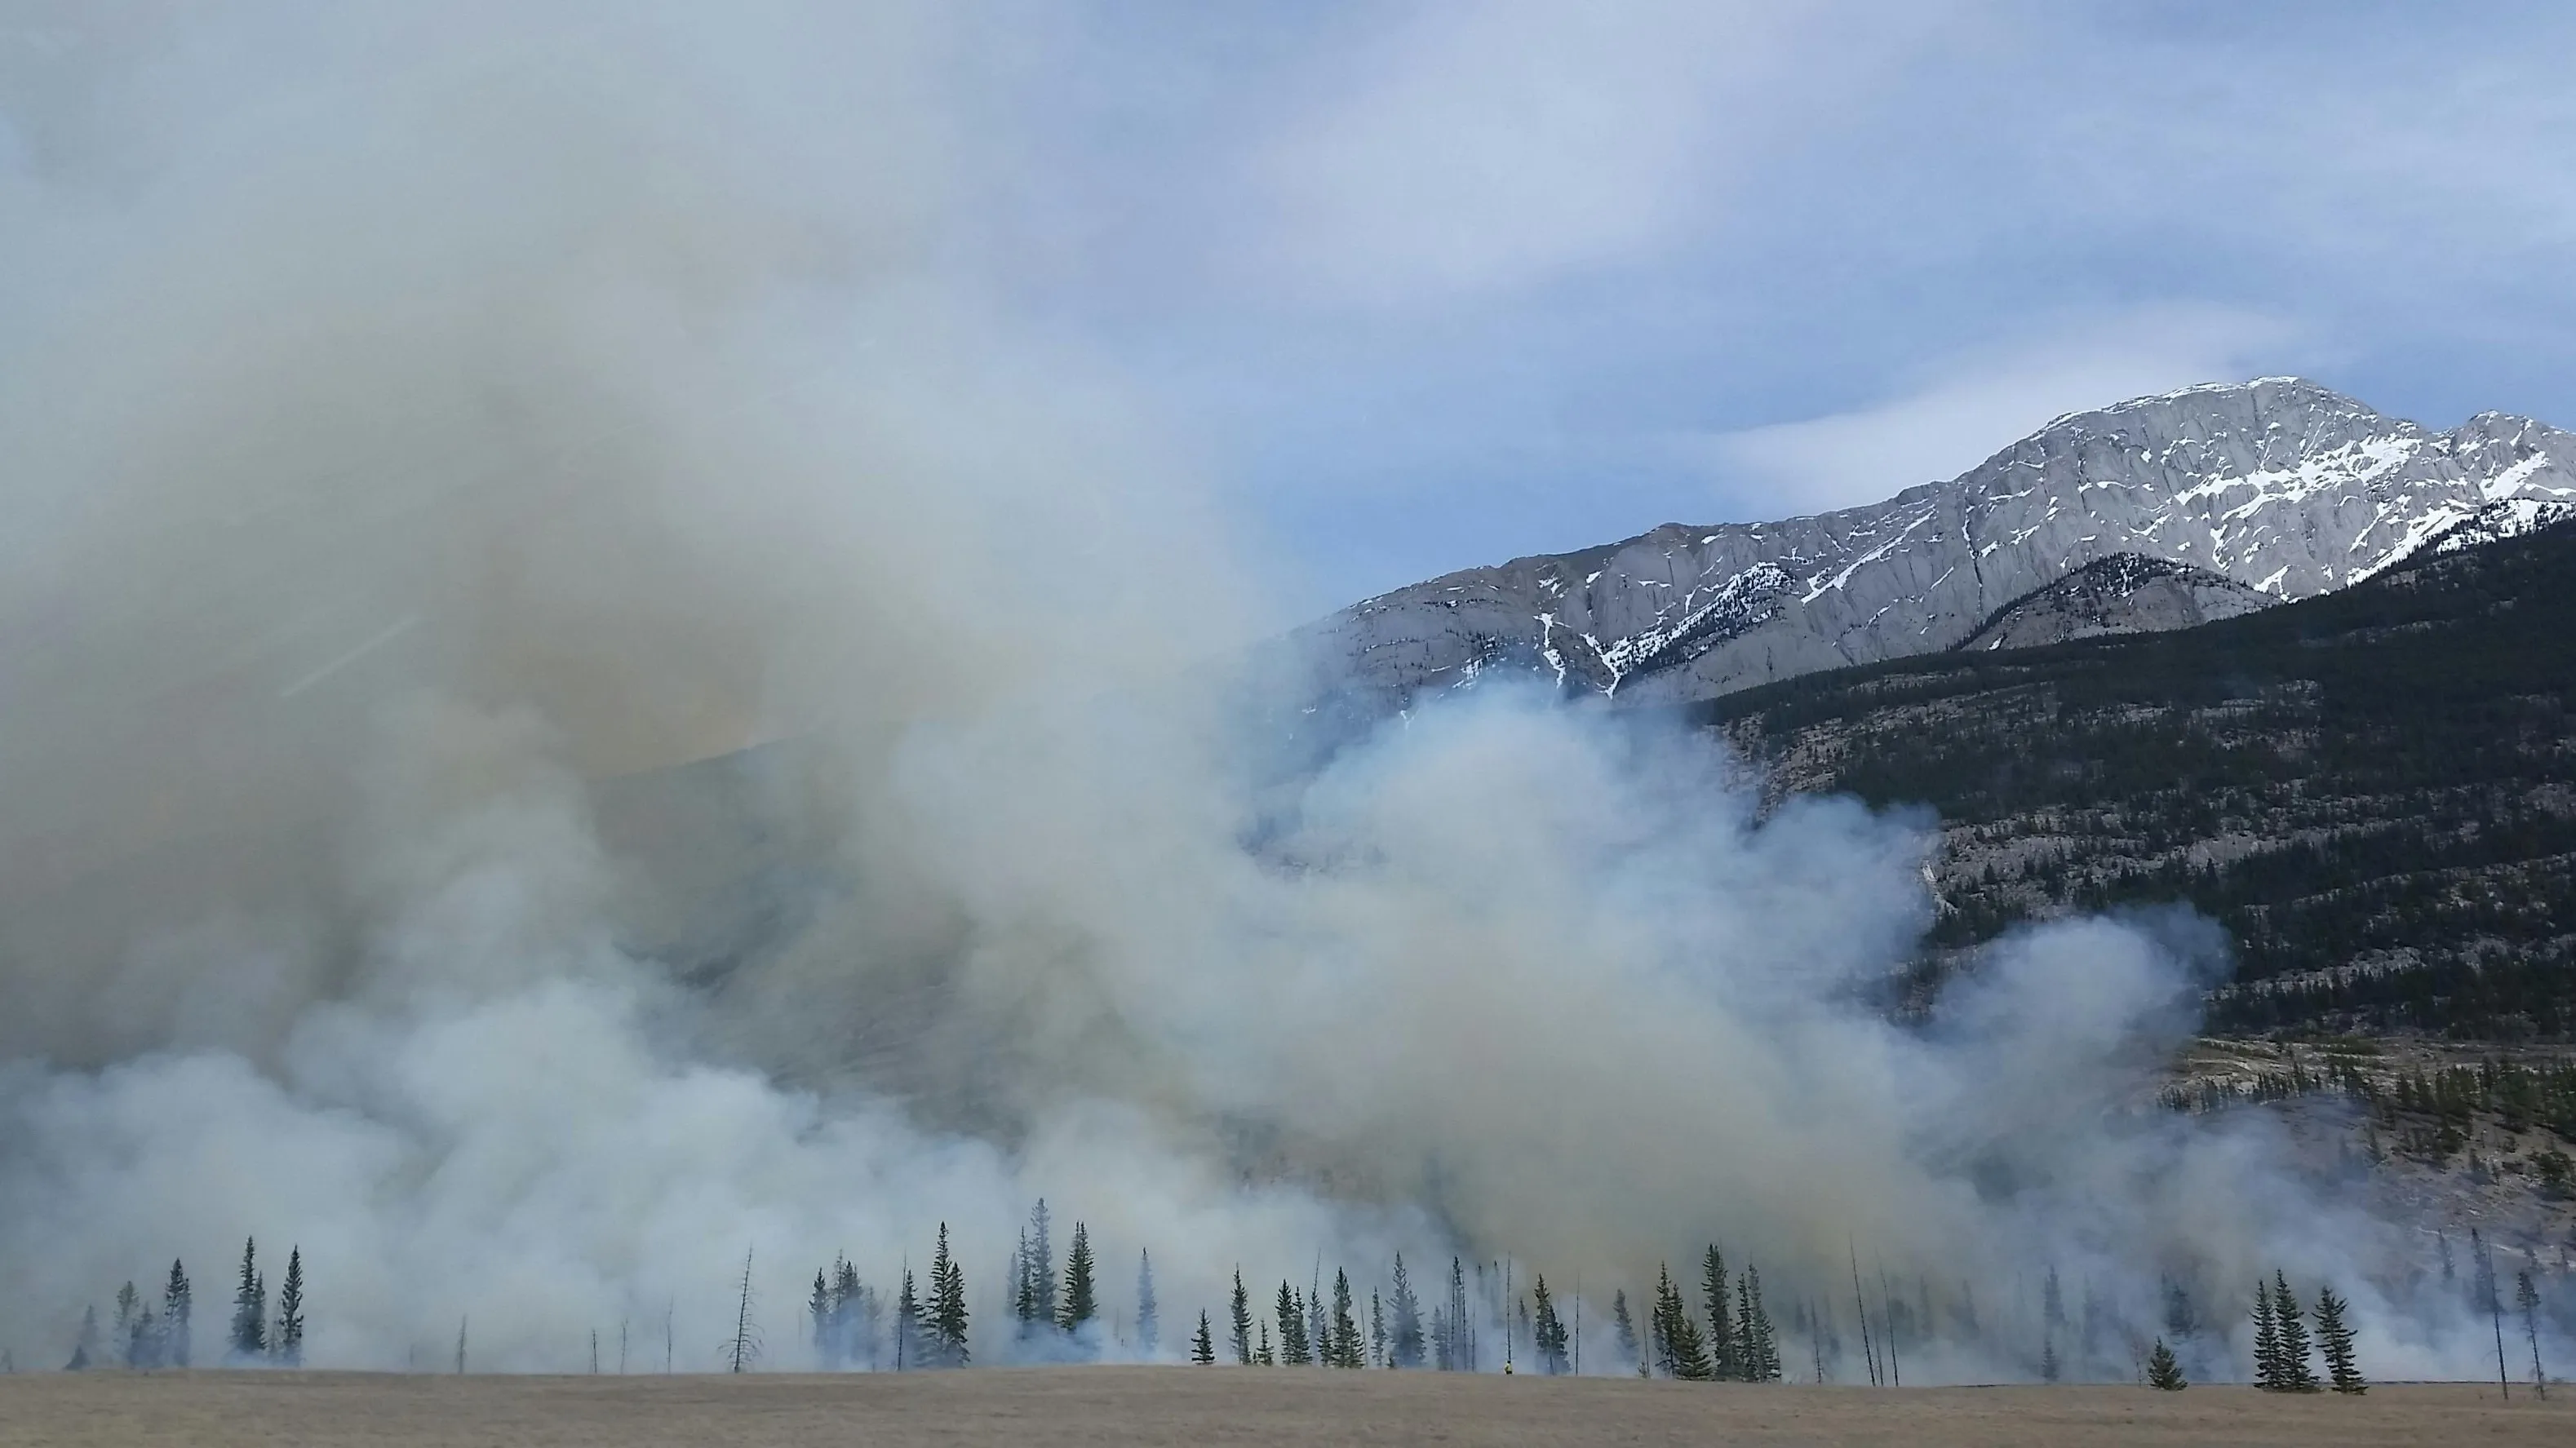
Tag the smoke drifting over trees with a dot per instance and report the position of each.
(436, 475)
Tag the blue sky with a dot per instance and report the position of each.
(1421, 284)
(1435, 285)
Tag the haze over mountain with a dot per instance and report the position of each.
(2263, 491)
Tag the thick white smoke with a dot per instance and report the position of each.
(441, 441)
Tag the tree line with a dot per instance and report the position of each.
(1727, 1334)
(144, 1339)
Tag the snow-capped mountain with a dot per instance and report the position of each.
(2278, 485)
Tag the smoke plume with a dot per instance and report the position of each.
(585, 696)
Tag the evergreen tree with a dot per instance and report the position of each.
(1149, 1319)
(1024, 1288)
(1261, 1356)
(2297, 1375)
(1404, 1325)
(2267, 1341)
(1626, 1328)
(1203, 1348)
(176, 1309)
(1722, 1331)
(818, 1307)
(2526, 1299)
(1039, 1264)
(1444, 1342)
(2334, 1337)
(1547, 1331)
(1685, 1353)
(85, 1348)
(2163, 1371)
(1294, 1349)
(2181, 1318)
(1758, 1351)
(1319, 1326)
(2052, 1302)
(290, 1311)
(127, 1301)
(853, 1314)
(1377, 1330)
(1344, 1351)
(2049, 1369)
(907, 1326)
(1080, 1304)
(143, 1339)
(250, 1307)
(948, 1306)
(1241, 1340)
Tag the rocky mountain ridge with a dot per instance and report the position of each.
(2280, 487)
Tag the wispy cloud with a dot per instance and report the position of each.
(1473, 148)
(1950, 416)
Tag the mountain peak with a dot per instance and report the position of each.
(2258, 398)
(2280, 485)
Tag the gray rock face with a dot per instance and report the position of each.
(2278, 485)
(2124, 593)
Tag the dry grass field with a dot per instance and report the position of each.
(1138, 1407)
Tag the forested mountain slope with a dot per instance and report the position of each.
(2373, 789)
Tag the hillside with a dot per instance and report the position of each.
(2271, 490)
(2374, 789)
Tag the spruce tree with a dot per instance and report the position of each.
(1377, 1330)
(1262, 1356)
(1685, 1353)
(127, 1302)
(1547, 1331)
(290, 1311)
(1758, 1356)
(1626, 1328)
(1241, 1340)
(818, 1307)
(1722, 1332)
(1294, 1349)
(176, 1308)
(85, 1348)
(1345, 1347)
(1024, 1288)
(948, 1304)
(2182, 1320)
(2163, 1371)
(1149, 1318)
(250, 1307)
(1203, 1348)
(907, 1326)
(2049, 1369)
(1319, 1323)
(2267, 1340)
(2334, 1337)
(1040, 1265)
(1079, 1304)
(1404, 1325)
(143, 1340)
(2297, 1375)
(853, 1317)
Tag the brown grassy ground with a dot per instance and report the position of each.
(1137, 1407)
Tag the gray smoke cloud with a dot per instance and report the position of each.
(584, 699)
